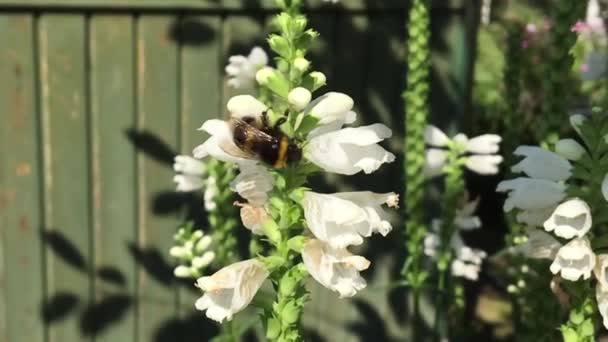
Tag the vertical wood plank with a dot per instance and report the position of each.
(21, 275)
(66, 172)
(113, 172)
(157, 115)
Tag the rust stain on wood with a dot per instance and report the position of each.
(24, 224)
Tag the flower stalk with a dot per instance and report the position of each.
(415, 97)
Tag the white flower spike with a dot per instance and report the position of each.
(344, 219)
(241, 69)
(335, 268)
(350, 150)
(570, 219)
(542, 164)
(529, 193)
(574, 260)
(230, 289)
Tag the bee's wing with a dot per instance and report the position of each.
(246, 148)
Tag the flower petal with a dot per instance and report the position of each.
(433, 136)
(541, 163)
(484, 144)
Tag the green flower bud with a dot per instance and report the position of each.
(263, 75)
(279, 45)
(290, 313)
(302, 64)
(296, 243)
(299, 98)
(273, 329)
(272, 231)
(318, 79)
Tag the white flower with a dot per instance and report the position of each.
(571, 218)
(535, 217)
(344, 219)
(253, 218)
(221, 144)
(484, 164)
(529, 193)
(211, 192)
(600, 271)
(602, 304)
(253, 184)
(431, 244)
(203, 243)
(465, 220)
(433, 136)
(434, 161)
(482, 149)
(541, 163)
(188, 165)
(605, 187)
(179, 252)
(189, 175)
(350, 150)
(467, 263)
(187, 183)
(241, 70)
(573, 260)
(335, 268)
(331, 108)
(538, 245)
(230, 289)
(569, 149)
(302, 64)
(299, 97)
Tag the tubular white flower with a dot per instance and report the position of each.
(535, 217)
(253, 218)
(484, 164)
(187, 183)
(538, 245)
(219, 143)
(530, 193)
(344, 219)
(332, 107)
(570, 219)
(299, 97)
(465, 220)
(350, 150)
(484, 144)
(179, 252)
(431, 244)
(203, 243)
(230, 289)
(434, 161)
(433, 136)
(188, 165)
(241, 70)
(602, 304)
(569, 149)
(466, 270)
(253, 184)
(605, 187)
(335, 268)
(600, 272)
(245, 105)
(573, 260)
(541, 163)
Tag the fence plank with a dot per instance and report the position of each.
(157, 111)
(21, 280)
(66, 179)
(113, 171)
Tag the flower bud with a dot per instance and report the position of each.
(263, 75)
(182, 271)
(301, 64)
(179, 252)
(299, 98)
(203, 261)
(318, 78)
(569, 149)
(197, 235)
(576, 121)
(203, 243)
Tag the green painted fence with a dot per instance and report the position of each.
(95, 99)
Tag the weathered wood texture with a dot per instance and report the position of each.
(96, 97)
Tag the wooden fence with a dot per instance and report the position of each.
(95, 99)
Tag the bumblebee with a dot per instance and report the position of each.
(257, 139)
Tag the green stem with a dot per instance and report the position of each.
(415, 99)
